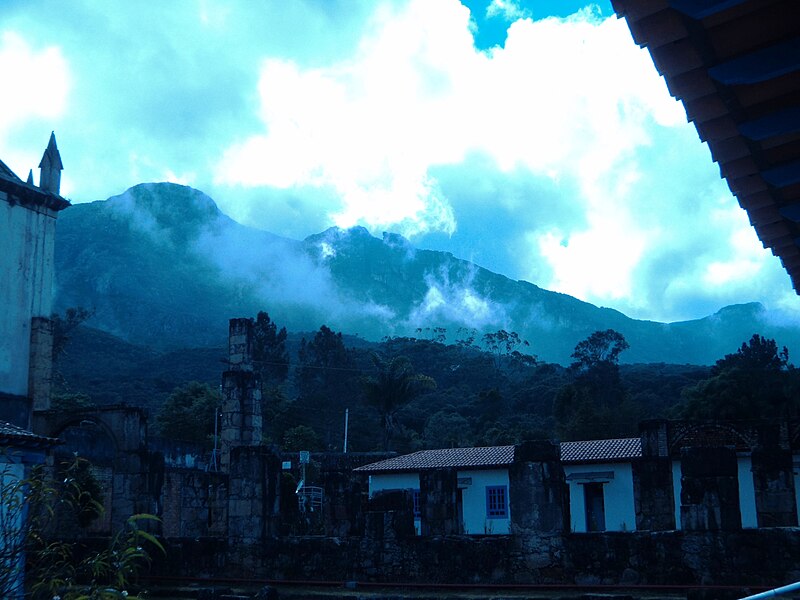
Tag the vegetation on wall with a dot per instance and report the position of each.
(38, 563)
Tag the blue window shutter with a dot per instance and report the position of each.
(496, 501)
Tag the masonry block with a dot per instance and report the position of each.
(709, 490)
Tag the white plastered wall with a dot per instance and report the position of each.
(26, 270)
(473, 486)
(620, 512)
(473, 496)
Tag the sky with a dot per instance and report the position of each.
(533, 138)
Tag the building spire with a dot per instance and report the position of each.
(51, 167)
(30, 177)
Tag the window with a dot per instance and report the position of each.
(417, 510)
(595, 506)
(496, 501)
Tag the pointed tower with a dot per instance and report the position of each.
(50, 168)
(30, 177)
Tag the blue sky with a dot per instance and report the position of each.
(535, 138)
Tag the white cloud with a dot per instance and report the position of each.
(508, 10)
(564, 98)
(36, 81)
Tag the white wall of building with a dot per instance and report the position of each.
(796, 471)
(11, 516)
(395, 481)
(747, 493)
(620, 512)
(676, 490)
(473, 486)
(26, 270)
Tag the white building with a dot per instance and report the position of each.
(600, 478)
(482, 499)
(27, 235)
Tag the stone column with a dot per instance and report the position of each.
(538, 492)
(241, 394)
(40, 371)
(773, 480)
(438, 499)
(709, 490)
(254, 496)
(653, 492)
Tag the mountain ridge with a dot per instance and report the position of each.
(161, 265)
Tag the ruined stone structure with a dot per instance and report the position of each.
(241, 394)
(27, 232)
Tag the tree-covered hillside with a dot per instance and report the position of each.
(404, 393)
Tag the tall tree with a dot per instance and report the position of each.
(594, 404)
(755, 382)
(600, 347)
(269, 350)
(188, 413)
(327, 381)
(393, 386)
(504, 347)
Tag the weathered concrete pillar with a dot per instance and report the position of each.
(538, 492)
(40, 370)
(773, 480)
(438, 499)
(241, 394)
(709, 490)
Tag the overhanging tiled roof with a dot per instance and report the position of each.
(12, 436)
(462, 458)
(601, 450)
(498, 456)
(27, 194)
(735, 65)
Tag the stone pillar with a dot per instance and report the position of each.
(253, 496)
(773, 480)
(538, 492)
(240, 344)
(390, 516)
(710, 490)
(40, 371)
(438, 500)
(653, 492)
(342, 504)
(241, 394)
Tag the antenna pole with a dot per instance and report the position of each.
(346, 419)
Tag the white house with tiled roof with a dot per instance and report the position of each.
(600, 478)
(598, 472)
(483, 484)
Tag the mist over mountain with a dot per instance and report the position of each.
(161, 266)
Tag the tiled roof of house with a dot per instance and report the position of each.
(601, 450)
(11, 435)
(493, 456)
(463, 458)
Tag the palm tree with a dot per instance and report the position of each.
(394, 385)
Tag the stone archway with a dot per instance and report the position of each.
(114, 440)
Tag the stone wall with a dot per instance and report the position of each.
(764, 558)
